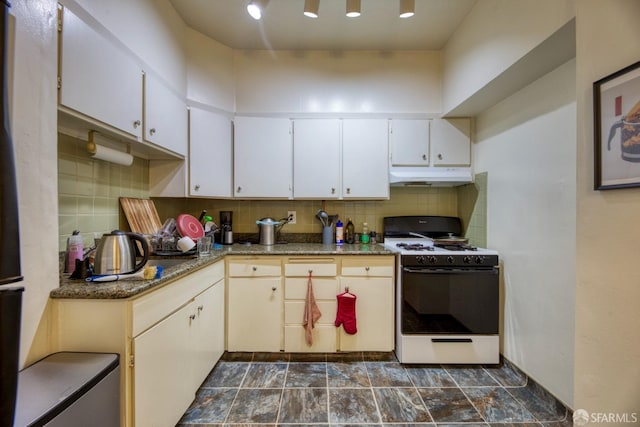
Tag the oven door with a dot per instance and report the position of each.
(449, 301)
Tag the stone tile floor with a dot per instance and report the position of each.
(368, 389)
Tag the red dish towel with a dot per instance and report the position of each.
(346, 315)
(311, 312)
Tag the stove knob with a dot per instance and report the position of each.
(450, 259)
(479, 259)
(467, 260)
(432, 259)
(420, 259)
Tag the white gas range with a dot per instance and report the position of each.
(447, 294)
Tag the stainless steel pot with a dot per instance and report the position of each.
(116, 253)
(268, 228)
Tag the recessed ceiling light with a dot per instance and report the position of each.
(311, 8)
(256, 8)
(407, 8)
(353, 8)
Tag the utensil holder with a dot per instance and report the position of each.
(327, 235)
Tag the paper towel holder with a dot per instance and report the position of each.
(102, 152)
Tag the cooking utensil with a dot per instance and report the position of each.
(323, 217)
(116, 253)
(141, 215)
(189, 226)
(268, 228)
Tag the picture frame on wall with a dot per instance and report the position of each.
(616, 107)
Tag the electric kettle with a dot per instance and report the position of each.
(116, 253)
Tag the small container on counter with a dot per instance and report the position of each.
(339, 233)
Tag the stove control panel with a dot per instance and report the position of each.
(464, 261)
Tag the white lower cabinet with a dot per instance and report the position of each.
(254, 321)
(168, 340)
(325, 286)
(184, 347)
(371, 279)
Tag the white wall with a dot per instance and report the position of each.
(338, 82)
(34, 127)
(492, 38)
(210, 79)
(527, 144)
(607, 373)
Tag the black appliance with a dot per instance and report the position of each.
(10, 296)
(226, 225)
(447, 296)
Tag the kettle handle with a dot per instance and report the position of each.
(145, 249)
(612, 132)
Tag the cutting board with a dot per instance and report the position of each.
(141, 214)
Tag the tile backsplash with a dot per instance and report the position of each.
(88, 192)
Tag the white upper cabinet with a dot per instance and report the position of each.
(165, 116)
(451, 142)
(97, 79)
(365, 159)
(262, 157)
(210, 154)
(409, 142)
(316, 158)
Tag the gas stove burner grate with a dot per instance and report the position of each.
(414, 247)
(456, 247)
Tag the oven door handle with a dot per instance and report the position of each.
(450, 270)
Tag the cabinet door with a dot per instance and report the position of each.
(255, 314)
(208, 331)
(210, 154)
(162, 372)
(374, 314)
(262, 157)
(451, 142)
(98, 79)
(165, 116)
(409, 142)
(316, 158)
(365, 159)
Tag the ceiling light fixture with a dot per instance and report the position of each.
(256, 8)
(353, 8)
(311, 8)
(407, 8)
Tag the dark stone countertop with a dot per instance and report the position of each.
(79, 289)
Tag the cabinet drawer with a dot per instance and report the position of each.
(368, 266)
(153, 307)
(296, 288)
(257, 267)
(294, 312)
(318, 269)
(324, 339)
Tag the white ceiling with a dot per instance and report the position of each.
(284, 27)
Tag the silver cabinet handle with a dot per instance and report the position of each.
(424, 157)
(200, 308)
(152, 131)
(439, 156)
(192, 317)
(239, 189)
(348, 190)
(196, 187)
(136, 124)
(333, 190)
(255, 268)
(366, 269)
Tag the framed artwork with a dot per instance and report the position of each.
(616, 107)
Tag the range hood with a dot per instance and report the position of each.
(429, 176)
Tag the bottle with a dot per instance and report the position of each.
(74, 251)
(339, 233)
(350, 233)
(365, 232)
